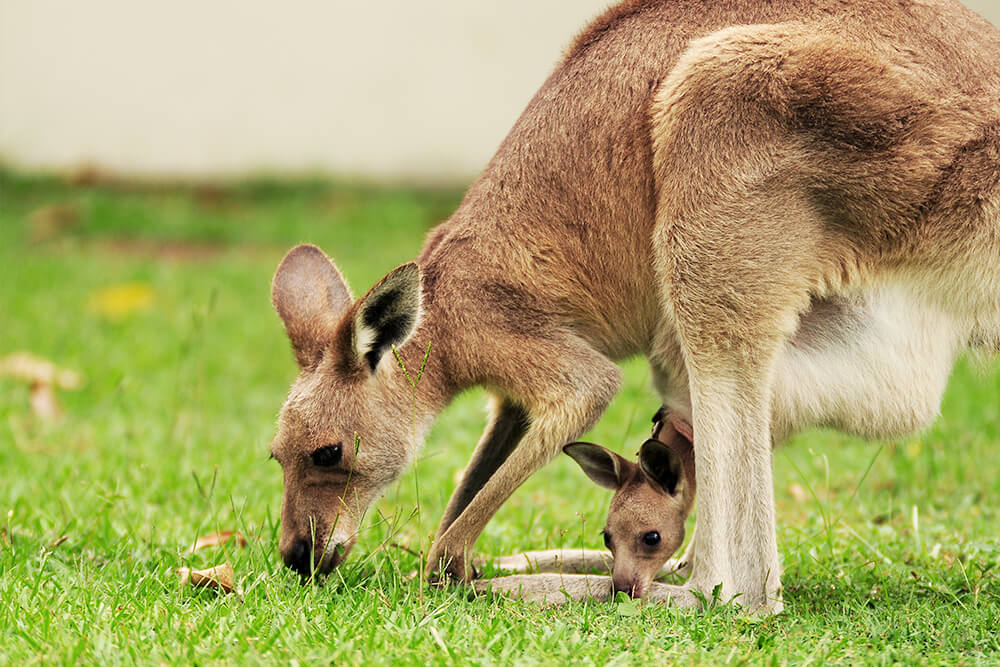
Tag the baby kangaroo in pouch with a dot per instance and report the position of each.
(652, 500)
(645, 524)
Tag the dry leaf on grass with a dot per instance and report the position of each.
(44, 403)
(44, 377)
(220, 576)
(218, 539)
(798, 493)
(52, 221)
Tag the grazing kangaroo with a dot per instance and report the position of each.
(652, 501)
(790, 207)
(645, 524)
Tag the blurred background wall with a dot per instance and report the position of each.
(395, 90)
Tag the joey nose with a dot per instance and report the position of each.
(298, 557)
(627, 586)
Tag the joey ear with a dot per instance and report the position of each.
(310, 296)
(387, 315)
(661, 465)
(603, 466)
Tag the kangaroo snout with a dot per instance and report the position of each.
(299, 557)
(302, 556)
(631, 586)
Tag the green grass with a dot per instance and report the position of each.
(168, 440)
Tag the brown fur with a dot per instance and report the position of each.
(693, 176)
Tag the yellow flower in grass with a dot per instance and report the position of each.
(119, 301)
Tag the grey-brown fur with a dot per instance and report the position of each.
(691, 178)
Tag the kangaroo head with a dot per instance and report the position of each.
(343, 430)
(652, 500)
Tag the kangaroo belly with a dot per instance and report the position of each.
(875, 365)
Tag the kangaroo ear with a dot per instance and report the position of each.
(606, 468)
(661, 465)
(387, 315)
(310, 296)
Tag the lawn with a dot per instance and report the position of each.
(159, 298)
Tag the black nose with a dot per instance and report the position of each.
(627, 587)
(299, 557)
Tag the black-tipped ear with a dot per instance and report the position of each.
(661, 465)
(601, 465)
(310, 296)
(387, 315)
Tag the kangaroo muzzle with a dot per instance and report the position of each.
(628, 584)
(307, 558)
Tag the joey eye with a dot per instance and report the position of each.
(607, 539)
(651, 539)
(324, 457)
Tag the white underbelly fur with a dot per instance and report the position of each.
(876, 366)
(879, 371)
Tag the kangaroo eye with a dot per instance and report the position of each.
(324, 457)
(651, 539)
(607, 539)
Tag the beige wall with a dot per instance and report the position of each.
(400, 88)
(397, 89)
(988, 8)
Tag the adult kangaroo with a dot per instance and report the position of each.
(789, 206)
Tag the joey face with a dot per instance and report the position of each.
(345, 432)
(652, 501)
(645, 527)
